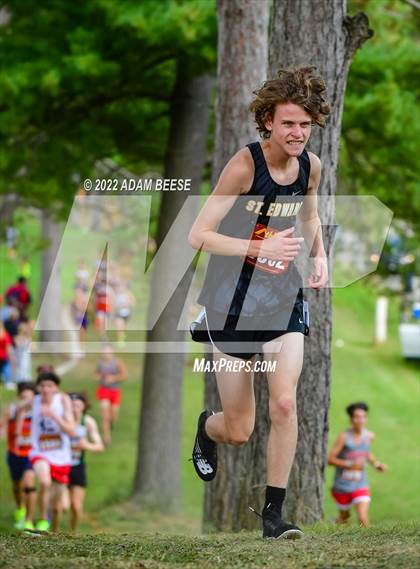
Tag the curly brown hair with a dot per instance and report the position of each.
(299, 85)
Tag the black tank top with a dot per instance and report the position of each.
(250, 286)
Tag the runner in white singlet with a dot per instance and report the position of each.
(50, 456)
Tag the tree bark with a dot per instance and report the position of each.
(242, 67)
(157, 476)
(321, 34)
(50, 330)
(301, 32)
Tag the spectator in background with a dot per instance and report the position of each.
(6, 357)
(11, 324)
(23, 368)
(25, 268)
(19, 296)
(11, 240)
(4, 309)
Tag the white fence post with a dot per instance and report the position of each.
(381, 318)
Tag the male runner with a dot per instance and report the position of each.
(18, 447)
(52, 426)
(86, 438)
(350, 455)
(252, 292)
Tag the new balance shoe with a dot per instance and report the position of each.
(275, 527)
(204, 455)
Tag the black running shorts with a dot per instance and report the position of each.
(244, 343)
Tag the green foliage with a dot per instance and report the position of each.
(381, 120)
(81, 81)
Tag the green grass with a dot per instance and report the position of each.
(390, 385)
(325, 547)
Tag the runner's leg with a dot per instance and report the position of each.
(57, 495)
(114, 414)
(106, 420)
(30, 494)
(234, 425)
(77, 496)
(343, 516)
(362, 511)
(287, 352)
(42, 473)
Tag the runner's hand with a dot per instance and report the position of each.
(46, 411)
(319, 275)
(83, 444)
(108, 379)
(358, 464)
(281, 246)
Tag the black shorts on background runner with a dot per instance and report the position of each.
(78, 475)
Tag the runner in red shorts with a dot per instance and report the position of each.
(350, 455)
(52, 425)
(110, 372)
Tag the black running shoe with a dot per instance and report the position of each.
(204, 455)
(274, 527)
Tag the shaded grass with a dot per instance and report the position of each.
(382, 546)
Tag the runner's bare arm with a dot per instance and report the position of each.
(66, 422)
(94, 441)
(312, 229)
(122, 371)
(378, 465)
(4, 419)
(236, 179)
(337, 447)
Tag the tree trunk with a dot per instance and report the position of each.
(316, 33)
(242, 67)
(50, 313)
(302, 32)
(157, 476)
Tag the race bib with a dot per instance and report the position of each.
(76, 451)
(262, 232)
(23, 441)
(352, 475)
(50, 442)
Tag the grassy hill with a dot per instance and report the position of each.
(383, 546)
(361, 371)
